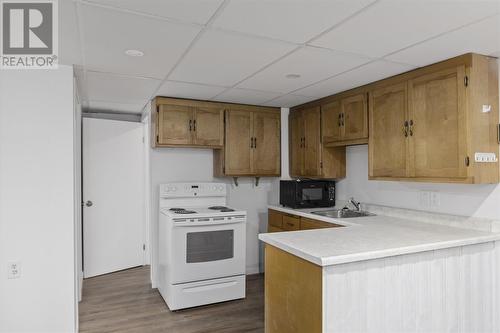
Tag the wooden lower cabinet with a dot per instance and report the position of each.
(293, 294)
(306, 224)
(279, 222)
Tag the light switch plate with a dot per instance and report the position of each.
(486, 108)
(485, 157)
(14, 270)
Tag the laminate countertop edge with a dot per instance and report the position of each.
(368, 238)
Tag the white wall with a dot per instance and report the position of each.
(458, 199)
(37, 178)
(186, 164)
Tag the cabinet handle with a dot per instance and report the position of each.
(405, 128)
(251, 142)
(411, 127)
(190, 125)
(343, 117)
(340, 119)
(194, 125)
(290, 224)
(255, 142)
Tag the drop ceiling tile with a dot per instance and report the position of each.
(223, 59)
(116, 106)
(371, 72)
(391, 25)
(69, 39)
(246, 96)
(312, 64)
(122, 89)
(295, 21)
(188, 90)
(288, 101)
(108, 33)
(482, 37)
(182, 10)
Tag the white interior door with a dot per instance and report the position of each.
(113, 196)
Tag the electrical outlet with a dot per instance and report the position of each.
(424, 199)
(13, 270)
(434, 199)
(485, 157)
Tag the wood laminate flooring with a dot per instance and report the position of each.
(125, 302)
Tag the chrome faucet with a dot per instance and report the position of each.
(355, 203)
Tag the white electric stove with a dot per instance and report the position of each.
(202, 245)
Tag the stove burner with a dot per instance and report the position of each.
(183, 211)
(227, 210)
(218, 207)
(176, 209)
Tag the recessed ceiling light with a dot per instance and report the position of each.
(134, 53)
(292, 76)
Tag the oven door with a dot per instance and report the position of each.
(207, 251)
(313, 194)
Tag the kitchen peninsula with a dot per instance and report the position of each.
(381, 274)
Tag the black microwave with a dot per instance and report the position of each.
(307, 193)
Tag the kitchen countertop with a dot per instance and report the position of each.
(369, 237)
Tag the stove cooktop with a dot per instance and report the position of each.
(205, 211)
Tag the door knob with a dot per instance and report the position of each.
(89, 203)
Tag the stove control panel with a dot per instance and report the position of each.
(179, 190)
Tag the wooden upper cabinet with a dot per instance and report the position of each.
(438, 125)
(425, 125)
(178, 122)
(331, 122)
(296, 130)
(174, 125)
(354, 117)
(267, 143)
(308, 156)
(429, 124)
(208, 126)
(239, 153)
(312, 141)
(388, 141)
(344, 121)
(253, 143)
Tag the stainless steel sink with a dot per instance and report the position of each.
(342, 213)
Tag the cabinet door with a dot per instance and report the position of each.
(291, 223)
(296, 139)
(312, 141)
(355, 117)
(175, 125)
(331, 121)
(238, 148)
(438, 131)
(208, 126)
(267, 152)
(275, 218)
(387, 142)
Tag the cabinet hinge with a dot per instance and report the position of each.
(321, 165)
(157, 138)
(466, 81)
(467, 161)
